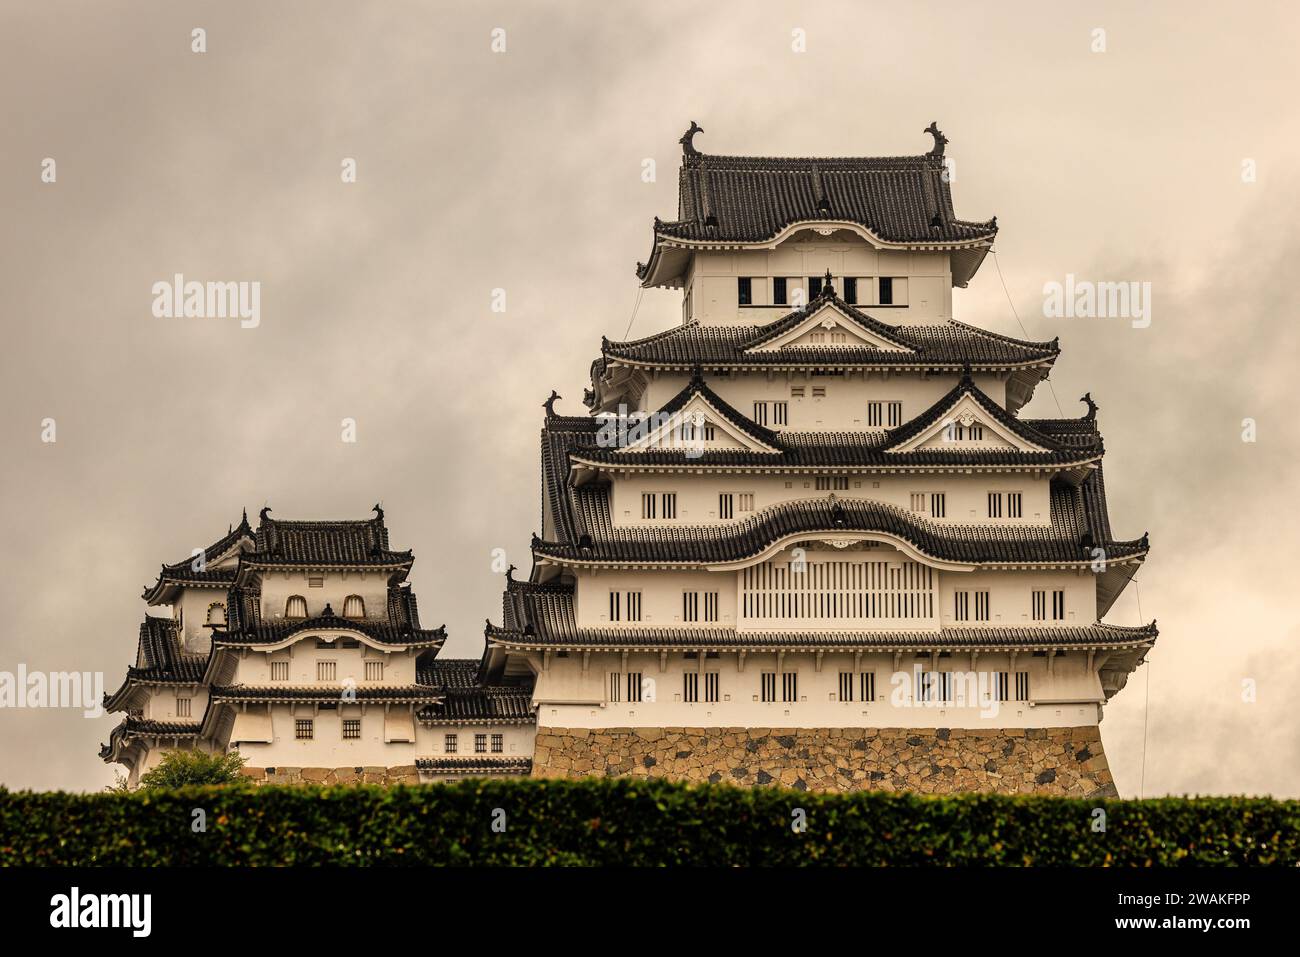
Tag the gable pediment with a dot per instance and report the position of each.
(830, 327)
(967, 426)
(697, 426)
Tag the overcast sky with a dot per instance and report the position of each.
(522, 171)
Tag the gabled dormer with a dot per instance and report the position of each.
(967, 419)
(829, 323)
(696, 420)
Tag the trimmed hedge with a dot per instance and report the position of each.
(621, 822)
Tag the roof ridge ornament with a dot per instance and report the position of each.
(549, 404)
(687, 140)
(940, 141)
(379, 513)
(1091, 415)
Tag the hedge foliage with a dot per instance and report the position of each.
(622, 822)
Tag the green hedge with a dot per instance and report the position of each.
(627, 822)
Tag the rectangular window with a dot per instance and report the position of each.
(780, 295)
(850, 290)
(374, 671)
(886, 291)
(1002, 688)
(302, 729)
(895, 414)
(634, 606)
(938, 507)
(498, 743)
(995, 504)
(790, 686)
(711, 687)
(884, 414)
(326, 670)
(981, 606)
(615, 687)
(760, 413)
(1058, 605)
(726, 505)
(769, 685)
(279, 671)
(961, 606)
(797, 391)
(690, 606)
(480, 744)
(746, 501)
(691, 687)
(745, 291)
(1040, 606)
(1022, 685)
(648, 500)
(846, 685)
(669, 503)
(976, 432)
(183, 707)
(1015, 505)
(917, 502)
(780, 413)
(814, 286)
(710, 606)
(615, 606)
(450, 743)
(819, 391)
(351, 728)
(633, 687)
(868, 683)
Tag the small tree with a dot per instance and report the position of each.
(179, 768)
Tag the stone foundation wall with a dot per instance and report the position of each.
(401, 774)
(1061, 761)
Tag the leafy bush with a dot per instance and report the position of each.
(598, 821)
(181, 768)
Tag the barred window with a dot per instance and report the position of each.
(1040, 605)
(498, 743)
(995, 504)
(183, 707)
(981, 606)
(615, 687)
(354, 607)
(480, 744)
(769, 685)
(1015, 505)
(961, 606)
(351, 728)
(938, 505)
(669, 502)
(746, 501)
(1058, 605)
(690, 606)
(1022, 685)
(295, 607)
(279, 671)
(633, 687)
(302, 729)
(1002, 686)
(711, 687)
(450, 744)
(726, 505)
(846, 685)
(868, 683)
(374, 671)
(648, 502)
(326, 670)
(790, 686)
(691, 687)
(634, 606)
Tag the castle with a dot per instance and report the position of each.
(803, 537)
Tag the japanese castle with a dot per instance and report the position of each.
(804, 537)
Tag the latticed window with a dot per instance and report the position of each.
(295, 607)
(279, 671)
(303, 729)
(351, 728)
(182, 707)
(354, 607)
(498, 743)
(374, 671)
(480, 744)
(327, 670)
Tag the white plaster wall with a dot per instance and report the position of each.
(711, 279)
(966, 496)
(570, 698)
(372, 586)
(254, 668)
(844, 407)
